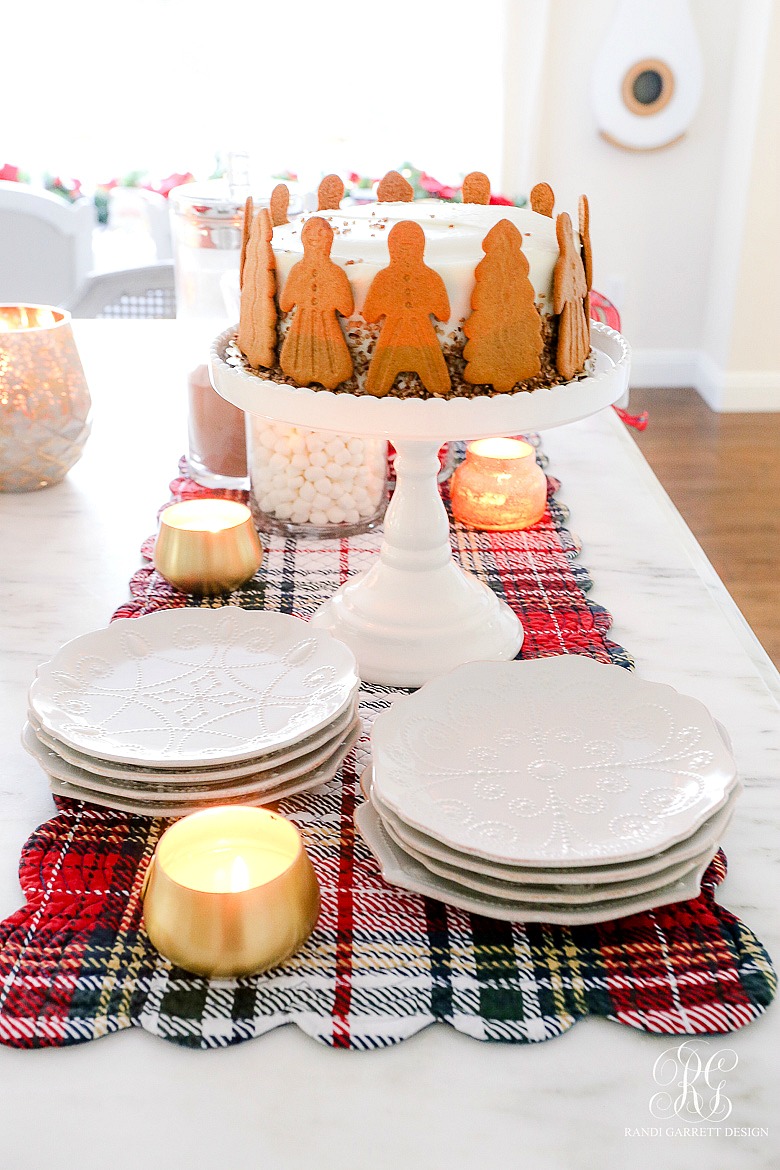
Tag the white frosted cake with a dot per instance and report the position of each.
(454, 245)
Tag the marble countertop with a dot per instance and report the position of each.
(439, 1099)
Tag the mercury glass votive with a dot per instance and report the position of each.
(230, 891)
(499, 487)
(44, 399)
(207, 546)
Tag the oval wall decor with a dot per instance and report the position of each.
(647, 77)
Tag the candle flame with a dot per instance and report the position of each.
(16, 317)
(501, 448)
(208, 515)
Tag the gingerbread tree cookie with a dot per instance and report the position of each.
(314, 349)
(330, 193)
(280, 201)
(569, 289)
(249, 215)
(407, 293)
(543, 199)
(476, 188)
(504, 331)
(257, 324)
(394, 189)
(586, 251)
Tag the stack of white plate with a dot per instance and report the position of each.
(557, 790)
(182, 709)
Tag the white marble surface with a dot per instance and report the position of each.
(440, 1099)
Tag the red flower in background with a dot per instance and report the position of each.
(433, 187)
(165, 186)
(10, 173)
(501, 201)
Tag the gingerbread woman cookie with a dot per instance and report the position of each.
(569, 289)
(249, 215)
(587, 251)
(257, 324)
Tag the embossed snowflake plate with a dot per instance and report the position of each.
(194, 686)
(429, 851)
(399, 869)
(558, 761)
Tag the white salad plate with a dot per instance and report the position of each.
(193, 687)
(707, 837)
(298, 754)
(552, 762)
(575, 894)
(155, 808)
(399, 869)
(138, 790)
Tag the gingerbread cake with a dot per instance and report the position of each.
(417, 298)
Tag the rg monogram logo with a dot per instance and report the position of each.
(692, 1082)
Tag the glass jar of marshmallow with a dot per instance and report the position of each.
(314, 483)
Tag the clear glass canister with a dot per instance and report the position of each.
(207, 225)
(315, 483)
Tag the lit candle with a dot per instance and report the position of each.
(44, 399)
(499, 487)
(207, 546)
(230, 891)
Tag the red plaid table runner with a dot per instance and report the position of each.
(382, 964)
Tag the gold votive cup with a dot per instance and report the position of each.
(207, 546)
(499, 487)
(229, 892)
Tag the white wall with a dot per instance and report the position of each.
(681, 290)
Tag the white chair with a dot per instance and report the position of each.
(147, 291)
(45, 244)
(134, 210)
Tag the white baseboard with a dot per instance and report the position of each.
(722, 390)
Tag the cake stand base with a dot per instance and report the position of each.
(415, 613)
(461, 620)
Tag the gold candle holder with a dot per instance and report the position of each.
(499, 487)
(207, 546)
(230, 891)
(44, 399)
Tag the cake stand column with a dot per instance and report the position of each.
(416, 614)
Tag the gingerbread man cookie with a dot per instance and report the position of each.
(330, 193)
(476, 188)
(543, 199)
(407, 293)
(280, 201)
(315, 349)
(394, 189)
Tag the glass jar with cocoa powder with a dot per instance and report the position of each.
(207, 221)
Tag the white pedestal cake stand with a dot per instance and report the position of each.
(416, 613)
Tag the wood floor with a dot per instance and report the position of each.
(723, 473)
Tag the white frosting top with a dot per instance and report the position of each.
(453, 245)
